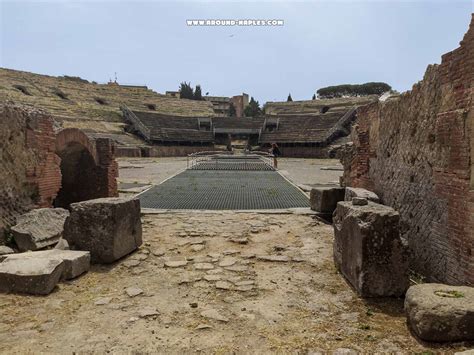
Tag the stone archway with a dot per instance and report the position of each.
(78, 171)
(88, 167)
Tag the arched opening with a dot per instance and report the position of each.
(79, 175)
(324, 109)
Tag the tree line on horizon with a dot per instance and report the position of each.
(186, 91)
(349, 90)
(253, 109)
(353, 90)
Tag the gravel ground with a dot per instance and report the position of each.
(211, 282)
(221, 282)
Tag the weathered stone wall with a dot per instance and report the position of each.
(304, 152)
(176, 150)
(30, 168)
(415, 153)
(130, 152)
(29, 171)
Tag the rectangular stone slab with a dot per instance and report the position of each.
(109, 228)
(34, 276)
(368, 249)
(75, 262)
(325, 199)
(39, 228)
(359, 192)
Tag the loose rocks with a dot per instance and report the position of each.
(39, 228)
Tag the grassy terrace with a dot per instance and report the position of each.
(314, 106)
(93, 107)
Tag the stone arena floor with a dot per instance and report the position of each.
(213, 282)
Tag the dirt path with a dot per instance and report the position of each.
(216, 283)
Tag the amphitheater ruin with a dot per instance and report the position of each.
(133, 221)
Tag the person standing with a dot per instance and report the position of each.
(275, 151)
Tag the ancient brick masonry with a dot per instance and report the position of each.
(46, 174)
(29, 169)
(32, 172)
(88, 167)
(415, 152)
(108, 167)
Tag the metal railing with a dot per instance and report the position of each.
(218, 160)
(135, 121)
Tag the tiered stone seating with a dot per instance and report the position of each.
(94, 108)
(237, 124)
(301, 129)
(166, 128)
(315, 107)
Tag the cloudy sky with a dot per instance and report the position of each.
(148, 42)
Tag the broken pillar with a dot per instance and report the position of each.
(325, 199)
(368, 249)
(109, 228)
(441, 313)
(39, 228)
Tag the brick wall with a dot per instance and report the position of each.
(415, 152)
(89, 168)
(29, 172)
(30, 169)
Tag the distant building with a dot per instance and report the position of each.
(173, 94)
(240, 102)
(221, 104)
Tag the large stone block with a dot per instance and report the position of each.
(5, 250)
(35, 276)
(39, 228)
(441, 313)
(325, 199)
(75, 262)
(368, 249)
(358, 192)
(109, 228)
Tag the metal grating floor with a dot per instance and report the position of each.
(232, 164)
(224, 190)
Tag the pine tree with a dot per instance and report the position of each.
(314, 97)
(253, 109)
(289, 98)
(186, 91)
(198, 93)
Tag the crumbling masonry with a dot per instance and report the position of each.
(415, 152)
(44, 168)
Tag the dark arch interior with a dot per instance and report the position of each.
(324, 109)
(79, 176)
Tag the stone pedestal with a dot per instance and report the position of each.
(109, 228)
(368, 249)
